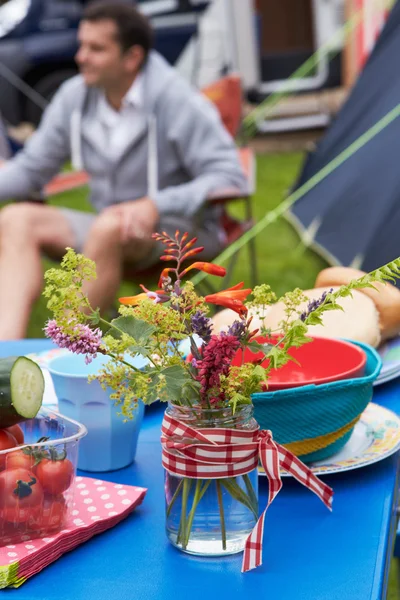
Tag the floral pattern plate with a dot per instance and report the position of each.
(390, 355)
(375, 437)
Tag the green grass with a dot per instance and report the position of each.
(283, 262)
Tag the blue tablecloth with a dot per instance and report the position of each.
(309, 553)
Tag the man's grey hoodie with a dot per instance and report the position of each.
(179, 155)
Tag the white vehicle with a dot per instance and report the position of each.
(265, 41)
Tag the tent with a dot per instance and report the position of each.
(352, 217)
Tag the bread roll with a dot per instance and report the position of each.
(224, 318)
(386, 297)
(358, 321)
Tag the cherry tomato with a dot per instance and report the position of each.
(17, 432)
(21, 496)
(52, 516)
(55, 475)
(7, 440)
(18, 459)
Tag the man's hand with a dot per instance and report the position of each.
(138, 218)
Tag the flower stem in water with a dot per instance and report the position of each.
(187, 484)
(238, 494)
(174, 497)
(221, 514)
(198, 494)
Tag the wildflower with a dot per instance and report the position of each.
(157, 296)
(238, 329)
(231, 298)
(206, 267)
(83, 340)
(201, 325)
(216, 361)
(165, 281)
(313, 305)
(192, 252)
(133, 300)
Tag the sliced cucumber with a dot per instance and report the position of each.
(21, 390)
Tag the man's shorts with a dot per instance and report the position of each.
(210, 236)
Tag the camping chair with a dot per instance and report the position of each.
(226, 94)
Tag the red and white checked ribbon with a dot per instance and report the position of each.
(217, 453)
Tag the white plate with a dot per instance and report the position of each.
(375, 437)
(388, 377)
(390, 354)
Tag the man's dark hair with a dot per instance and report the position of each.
(132, 27)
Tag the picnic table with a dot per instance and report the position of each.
(309, 553)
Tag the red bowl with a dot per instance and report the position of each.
(320, 361)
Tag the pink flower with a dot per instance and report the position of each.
(84, 340)
(216, 361)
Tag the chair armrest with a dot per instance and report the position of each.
(66, 181)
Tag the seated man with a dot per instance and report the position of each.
(154, 149)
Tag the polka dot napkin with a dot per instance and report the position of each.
(98, 506)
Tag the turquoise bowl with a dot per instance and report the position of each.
(314, 411)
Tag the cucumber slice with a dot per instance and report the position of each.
(21, 390)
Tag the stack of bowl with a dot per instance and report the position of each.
(312, 405)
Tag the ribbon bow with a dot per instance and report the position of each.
(215, 453)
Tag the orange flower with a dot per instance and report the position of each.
(231, 298)
(189, 245)
(133, 300)
(207, 268)
(192, 252)
(164, 274)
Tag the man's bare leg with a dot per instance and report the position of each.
(104, 246)
(26, 230)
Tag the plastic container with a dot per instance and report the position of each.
(111, 442)
(37, 499)
(321, 361)
(315, 421)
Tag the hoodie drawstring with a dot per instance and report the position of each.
(76, 143)
(152, 159)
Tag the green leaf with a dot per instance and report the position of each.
(238, 399)
(169, 381)
(278, 357)
(314, 319)
(191, 390)
(333, 306)
(94, 317)
(259, 372)
(257, 347)
(137, 329)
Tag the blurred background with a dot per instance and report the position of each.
(297, 60)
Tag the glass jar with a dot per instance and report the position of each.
(211, 517)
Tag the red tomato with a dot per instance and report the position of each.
(53, 513)
(21, 496)
(17, 432)
(18, 459)
(6, 441)
(55, 475)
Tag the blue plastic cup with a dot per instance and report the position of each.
(110, 443)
